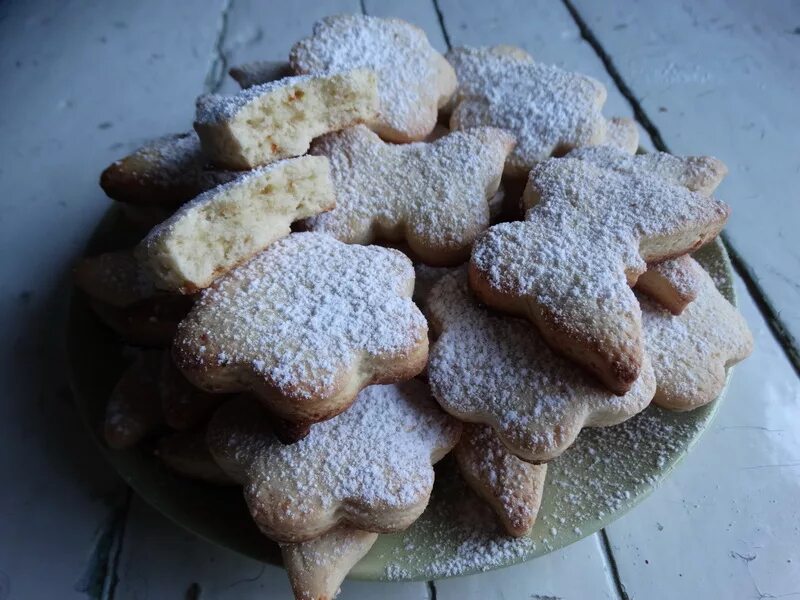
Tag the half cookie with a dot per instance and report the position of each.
(275, 120)
(225, 226)
(305, 325)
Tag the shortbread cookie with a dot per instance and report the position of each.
(673, 283)
(167, 171)
(512, 487)
(259, 72)
(183, 405)
(368, 468)
(317, 568)
(490, 368)
(701, 174)
(150, 323)
(622, 134)
(548, 110)
(690, 352)
(186, 453)
(414, 80)
(225, 226)
(587, 236)
(134, 408)
(306, 325)
(114, 278)
(275, 120)
(434, 196)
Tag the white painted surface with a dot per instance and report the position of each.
(138, 67)
(727, 523)
(82, 82)
(722, 77)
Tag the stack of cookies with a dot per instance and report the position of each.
(340, 290)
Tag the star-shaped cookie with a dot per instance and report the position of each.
(369, 468)
(512, 487)
(434, 196)
(673, 283)
(587, 236)
(548, 110)
(414, 80)
(691, 351)
(305, 325)
(490, 368)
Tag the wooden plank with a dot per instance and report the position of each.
(82, 83)
(545, 29)
(721, 77)
(577, 571)
(727, 523)
(421, 13)
(161, 560)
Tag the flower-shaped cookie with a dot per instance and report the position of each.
(489, 368)
(622, 134)
(512, 487)
(548, 110)
(673, 283)
(316, 568)
(369, 468)
(306, 325)
(587, 236)
(691, 351)
(414, 80)
(433, 195)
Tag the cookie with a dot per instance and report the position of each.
(673, 283)
(134, 407)
(701, 174)
(548, 110)
(493, 369)
(414, 80)
(166, 171)
(259, 72)
(622, 134)
(317, 568)
(691, 352)
(114, 278)
(512, 487)
(305, 325)
(183, 405)
(587, 236)
(368, 468)
(434, 196)
(151, 323)
(225, 226)
(275, 120)
(186, 453)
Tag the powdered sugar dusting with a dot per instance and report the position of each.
(435, 195)
(413, 79)
(490, 368)
(375, 456)
(303, 311)
(548, 110)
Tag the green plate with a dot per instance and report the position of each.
(606, 473)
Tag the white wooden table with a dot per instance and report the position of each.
(82, 83)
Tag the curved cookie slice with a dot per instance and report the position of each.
(512, 487)
(167, 171)
(186, 453)
(259, 72)
(690, 352)
(548, 110)
(701, 174)
(306, 325)
(368, 468)
(317, 568)
(149, 323)
(587, 235)
(493, 369)
(134, 408)
(622, 134)
(414, 80)
(114, 278)
(433, 195)
(183, 405)
(673, 283)
(225, 226)
(279, 119)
